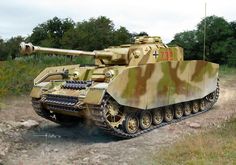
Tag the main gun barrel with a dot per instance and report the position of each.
(29, 48)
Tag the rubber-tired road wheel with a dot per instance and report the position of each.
(187, 109)
(168, 115)
(195, 107)
(145, 120)
(157, 116)
(131, 124)
(179, 112)
(202, 104)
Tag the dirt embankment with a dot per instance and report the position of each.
(50, 143)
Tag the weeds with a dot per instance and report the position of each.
(217, 146)
(16, 76)
(226, 70)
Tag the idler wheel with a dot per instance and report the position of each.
(195, 106)
(168, 115)
(145, 120)
(157, 116)
(212, 96)
(187, 109)
(131, 124)
(179, 112)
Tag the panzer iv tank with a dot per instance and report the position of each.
(130, 90)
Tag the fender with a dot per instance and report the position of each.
(96, 94)
(37, 90)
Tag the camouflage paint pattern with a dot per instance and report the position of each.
(163, 83)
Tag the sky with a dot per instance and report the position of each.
(158, 18)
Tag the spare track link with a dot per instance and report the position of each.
(99, 118)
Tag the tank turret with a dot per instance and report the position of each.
(144, 50)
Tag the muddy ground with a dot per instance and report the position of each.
(50, 143)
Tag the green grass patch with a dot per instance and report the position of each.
(16, 76)
(226, 70)
(216, 147)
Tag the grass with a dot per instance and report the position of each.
(216, 147)
(226, 70)
(16, 76)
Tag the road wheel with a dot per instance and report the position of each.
(131, 124)
(145, 120)
(187, 109)
(157, 116)
(168, 115)
(179, 111)
(202, 105)
(195, 106)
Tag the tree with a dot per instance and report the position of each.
(51, 32)
(218, 30)
(233, 28)
(188, 41)
(95, 34)
(3, 52)
(122, 36)
(141, 34)
(12, 46)
(220, 40)
(90, 35)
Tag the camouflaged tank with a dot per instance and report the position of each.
(130, 90)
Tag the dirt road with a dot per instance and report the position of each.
(50, 143)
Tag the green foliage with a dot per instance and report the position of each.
(122, 36)
(95, 34)
(10, 49)
(51, 32)
(16, 76)
(12, 46)
(141, 34)
(226, 70)
(91, 34)
(3, 52)
(220, 41)
(188, 41)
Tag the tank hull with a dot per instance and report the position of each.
(160, 93)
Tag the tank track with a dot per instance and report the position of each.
(99, 118)
(39, 109)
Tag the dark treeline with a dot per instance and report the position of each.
(99, 33)
(220, 41)
(93, 34)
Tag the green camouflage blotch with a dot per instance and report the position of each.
(129, 90)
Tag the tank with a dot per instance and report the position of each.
(130, 90)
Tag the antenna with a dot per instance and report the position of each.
(204, 42)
